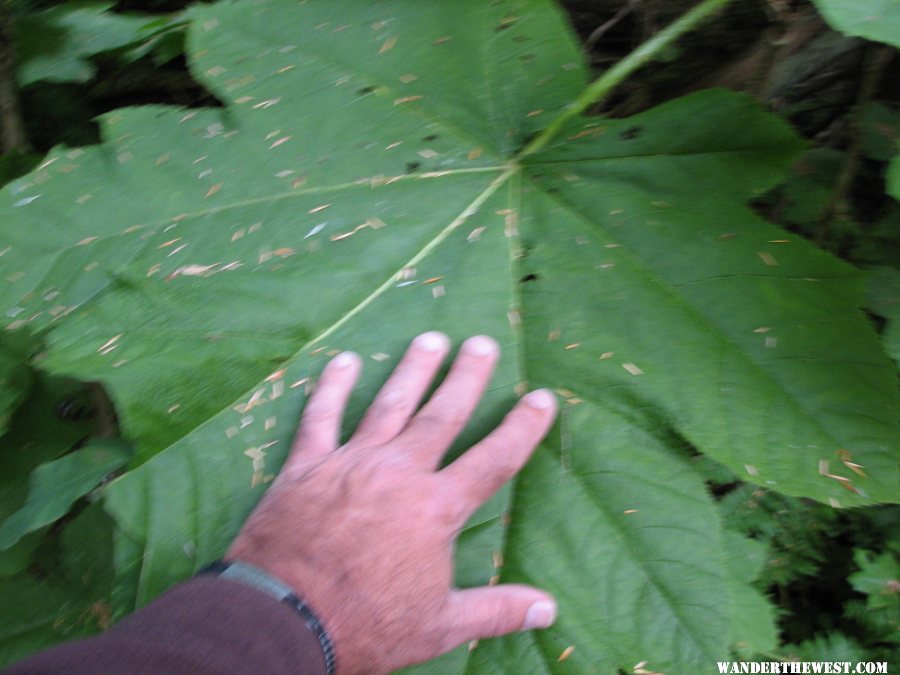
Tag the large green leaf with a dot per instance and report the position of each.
(877, 20)
(56, 485)
(384, 169)
(587, 521)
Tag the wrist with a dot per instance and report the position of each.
(267, 583)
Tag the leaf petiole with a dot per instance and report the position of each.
(604, 85)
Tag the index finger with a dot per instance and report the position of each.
(320, 426)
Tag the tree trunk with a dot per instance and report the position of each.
(12, 130)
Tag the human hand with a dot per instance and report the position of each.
(364, 532)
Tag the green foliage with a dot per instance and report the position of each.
(67, 596)
(36, 435)
(881, 141)
(881, 131)
(884, 300)
(385, 169)
(878, 578)
(871, 19)
(797, 533)
(56, 485)
(50, 588)
(15, 377)
(57, 44)
(15, 164)
(816, 563)
(893, 178)
(833, 647)
(754, 630)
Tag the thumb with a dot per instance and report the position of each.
(489, 611)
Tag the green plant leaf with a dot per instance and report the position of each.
(34, 615)
(16, 163)
(16, 558)
(165, 41)
(55, 45)
(15, 377)
(671, 271)
(87, 556)
(68, 602)
(878, 577)
(883, 290)
(830, 647)
(744, 557)
(665, 604)
(754, 630)
(880, 625)
(810, 186)
(880, 131)
(55, 486)
(877, 20)
(381, 170)
(37, 434)
(892, 178)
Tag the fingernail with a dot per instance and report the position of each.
(542, 399)
(431, 341)
(343, 360)
(541, 614)
(480, 345)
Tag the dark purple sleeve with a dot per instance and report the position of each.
(203, 626)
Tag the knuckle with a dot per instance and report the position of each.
(391, 402)
(449, 418)
(317, 412)
(499, 460)
(483, 486)
(494, 622)
(449, 512)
